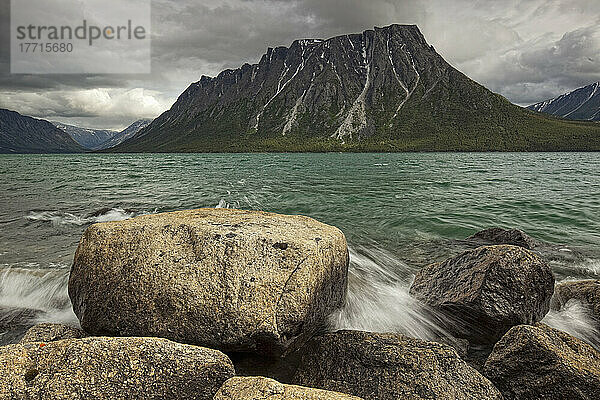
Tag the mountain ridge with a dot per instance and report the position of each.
(580, 104)
(23, 134)
(384, 89)
(86, 137)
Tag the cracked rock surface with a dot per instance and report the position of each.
(233, 280)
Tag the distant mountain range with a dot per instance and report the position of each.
(98, 139)
(580, 104)
(21, 134)
(384, 89)
(86, 137)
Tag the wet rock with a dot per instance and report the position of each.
(51, 332)
(587, 292)
(14, 322)
(252, 388)
(486, 291)
(111, 368)
(228, 279)
(538, 362)
(389, 366)
(515, 237)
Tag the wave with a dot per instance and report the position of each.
(379, 300)
(64, 218)
(35, 294)
(576, 320)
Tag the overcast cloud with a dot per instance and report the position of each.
(527, 50)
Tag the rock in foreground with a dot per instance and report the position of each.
(486, 291)
(514, 237)
(390, 366)
(538, 362)
(228, 279)
(111, 368)
(587, 292)
(51, 333)
(255, 388)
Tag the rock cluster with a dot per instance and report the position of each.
(261, 286)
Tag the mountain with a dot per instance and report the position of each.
(580, 104)
(385, 89)
(88, 138)
(125, 134)
(21, 134)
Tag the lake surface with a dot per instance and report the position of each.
(398, 211)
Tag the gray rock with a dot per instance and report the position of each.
(541, 363)
(254, 388)
(486, 291)
(515, 237)
(389, 366)
(111, 368)
(587, 292)
(51, 333)
(227, 279)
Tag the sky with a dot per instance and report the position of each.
(526, 50)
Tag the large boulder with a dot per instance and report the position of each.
(586, 292)
(111, 368)
(389, 366)
(254, 388)
(515, 237)
(48, 332)
(538, 362)
(486, 291)
(228, 279)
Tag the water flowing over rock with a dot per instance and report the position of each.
(239, 388)
(111, 368)
(228, 279)
(389, 366)
(538, 362)
(515, 237)
(486, 291)
(48, 332)
(587, 292)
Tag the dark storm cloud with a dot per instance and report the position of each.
(527, 50)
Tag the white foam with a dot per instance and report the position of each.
(41, 289)
(59, 218)
(576, 320)
(379, 300)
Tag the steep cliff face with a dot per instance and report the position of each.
(383, 89)
(21, 134)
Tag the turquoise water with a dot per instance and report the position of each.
(398, 211)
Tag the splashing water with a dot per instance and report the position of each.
(64, 218)
(575, 319)
(379, 300)
(31, 295)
